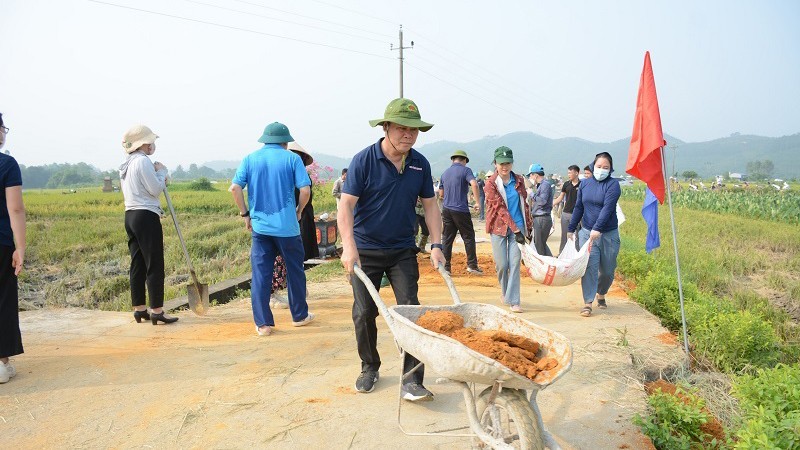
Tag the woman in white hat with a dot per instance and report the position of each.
(142, 183)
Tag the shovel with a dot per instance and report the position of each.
(198, 292)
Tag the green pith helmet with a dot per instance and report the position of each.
(276, 133)
(460, 153)
(402, 111)
(503, 155)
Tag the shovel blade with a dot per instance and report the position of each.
(198, 298)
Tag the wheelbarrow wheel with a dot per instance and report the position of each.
(510, 419)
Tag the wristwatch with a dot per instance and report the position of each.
(245, 214)
(439, 246)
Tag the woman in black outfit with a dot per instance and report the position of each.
(142, 183)
(12, 228)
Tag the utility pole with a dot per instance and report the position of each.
(391, 47)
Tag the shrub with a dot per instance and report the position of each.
(636, 265)
(201, 184)
(770, 403)
(733, 341)
(675, 421)
(658, 293)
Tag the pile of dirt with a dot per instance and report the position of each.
(518, 353)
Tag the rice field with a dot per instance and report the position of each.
(77, 252)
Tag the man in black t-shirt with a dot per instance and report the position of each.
(569, 194)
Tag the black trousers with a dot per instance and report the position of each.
(403, 272)
(10, 335)
(458, 222)
(146, 244)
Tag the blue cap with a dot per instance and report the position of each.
(536, 168)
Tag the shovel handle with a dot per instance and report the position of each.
(180, 236)
(450, 285)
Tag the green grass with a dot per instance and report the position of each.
(325, 272)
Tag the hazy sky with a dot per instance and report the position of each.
(75, 74)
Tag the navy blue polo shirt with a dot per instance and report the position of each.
(384, 216)
(10, 176)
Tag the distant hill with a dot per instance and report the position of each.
(716, 157)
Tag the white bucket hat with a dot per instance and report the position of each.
(137, 136)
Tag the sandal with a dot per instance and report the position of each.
(586, 311)
(601, 303)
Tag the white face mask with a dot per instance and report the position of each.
(601, 174)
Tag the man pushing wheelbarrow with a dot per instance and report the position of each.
(377, 220)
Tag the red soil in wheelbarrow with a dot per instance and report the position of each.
(518, 353)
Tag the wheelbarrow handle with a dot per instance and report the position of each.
(450, 284)
(375, 296)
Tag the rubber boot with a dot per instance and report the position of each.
(423, 242)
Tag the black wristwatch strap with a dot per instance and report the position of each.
(439, 246)
(245, 214)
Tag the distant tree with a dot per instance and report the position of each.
(72, 176)
(689, 174)
(35, 176)
(179, 173)
(760, 170)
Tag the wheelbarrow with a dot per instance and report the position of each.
(505, 414)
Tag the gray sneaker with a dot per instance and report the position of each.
(415, 392)
(475, 271)
(366, 381)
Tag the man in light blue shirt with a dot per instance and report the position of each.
(271, 175)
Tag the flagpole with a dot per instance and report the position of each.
(677, 259)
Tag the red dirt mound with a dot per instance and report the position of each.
(518, 353)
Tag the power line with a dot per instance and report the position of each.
(481, 86)
(230, 27)
(354, 11)
(312, 18)
(484, 100)
(584, 120)
(282, 20)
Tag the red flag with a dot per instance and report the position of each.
(644, 154)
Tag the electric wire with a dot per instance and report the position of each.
(526, 119)
(576, 119)
(509, 99)
(354, 12)
(283, 20)
(231, 27)
(312, 18)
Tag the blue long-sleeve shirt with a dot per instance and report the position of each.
(596, 205)
(542, 200)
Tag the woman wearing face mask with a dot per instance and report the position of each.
(12, 256)
(508, 222)
(142, 183)
(595, 209)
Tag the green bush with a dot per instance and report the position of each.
(636, 265)
(675, 421)
(201, 184)
(658, 293)
(770, 403)
(734, 341)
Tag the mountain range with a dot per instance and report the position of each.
(710, 158)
